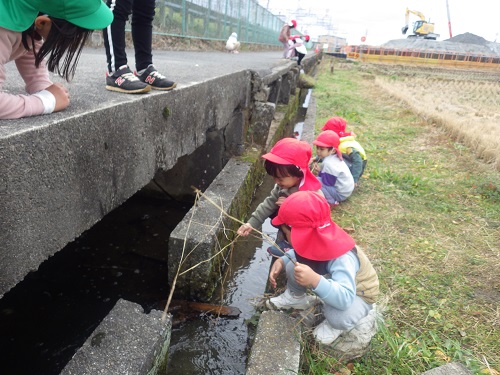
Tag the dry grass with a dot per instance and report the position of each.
(465, 105)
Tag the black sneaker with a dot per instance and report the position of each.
(156, 80)
(123, 80)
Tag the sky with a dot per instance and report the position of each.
(381, 21)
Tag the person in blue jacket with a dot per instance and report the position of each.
(325, 260)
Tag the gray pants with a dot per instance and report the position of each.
(338, 319)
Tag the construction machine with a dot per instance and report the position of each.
(421, 28)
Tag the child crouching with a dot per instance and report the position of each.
(337, 183)
(326, 260)
(287, 163)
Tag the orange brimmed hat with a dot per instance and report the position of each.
(314, 235)
(338, 125)
(298, 153)
(328, 138)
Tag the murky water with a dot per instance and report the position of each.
(219, 346)
(50, 314)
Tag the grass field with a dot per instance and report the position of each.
(427, 212)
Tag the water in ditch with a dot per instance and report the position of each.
(219, 346)
(48, 316)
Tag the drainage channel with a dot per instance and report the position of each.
(47, 317)
(219, 346)
(50, 314)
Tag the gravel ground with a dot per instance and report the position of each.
(464, 43)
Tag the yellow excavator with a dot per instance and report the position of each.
(421, 28)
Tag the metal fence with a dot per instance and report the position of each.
(217, 19)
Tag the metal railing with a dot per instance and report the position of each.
(216, 20)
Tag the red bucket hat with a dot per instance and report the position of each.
(328, 138)
(338, 125)
(292, 23)
(314, 235)
(295, 152)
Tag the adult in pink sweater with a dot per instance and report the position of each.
(31, 30)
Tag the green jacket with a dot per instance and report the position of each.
(268, 206)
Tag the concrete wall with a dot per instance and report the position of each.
(199, 243)
(63, 173)
(63, 178)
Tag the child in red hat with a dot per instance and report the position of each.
(287, 162)
(337, 183)
(327, 260)
(353, 154)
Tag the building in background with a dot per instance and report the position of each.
(331, 43)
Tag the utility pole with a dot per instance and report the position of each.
(449, 21)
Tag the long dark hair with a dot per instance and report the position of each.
(65, 41)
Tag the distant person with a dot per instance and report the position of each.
(337, 183)
(285, 35)
(119, 76)
(287, 163)
(338, 125)
(232, 44)
(327, 261)
(43, 36)
(300, 48)
(353, 153)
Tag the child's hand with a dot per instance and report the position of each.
(61, 94)
(305, 276)
(276, 269)
(280, 201)
(244, 230)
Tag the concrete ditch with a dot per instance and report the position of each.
(80, 168)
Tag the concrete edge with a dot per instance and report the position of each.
(127, 341)
(453, 368)
(276, 348)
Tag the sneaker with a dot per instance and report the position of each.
(287, 301)
(155, 80)
(325, 333)
(123, 80)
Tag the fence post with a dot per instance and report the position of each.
(248, 20)
(239, 18)
(184, 16)
(161, 14)
(225, 19)
(206, 32)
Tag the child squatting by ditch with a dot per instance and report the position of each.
(353, 153)
(288, 164)
(337, 183)
(328, 262)
(30, 31)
